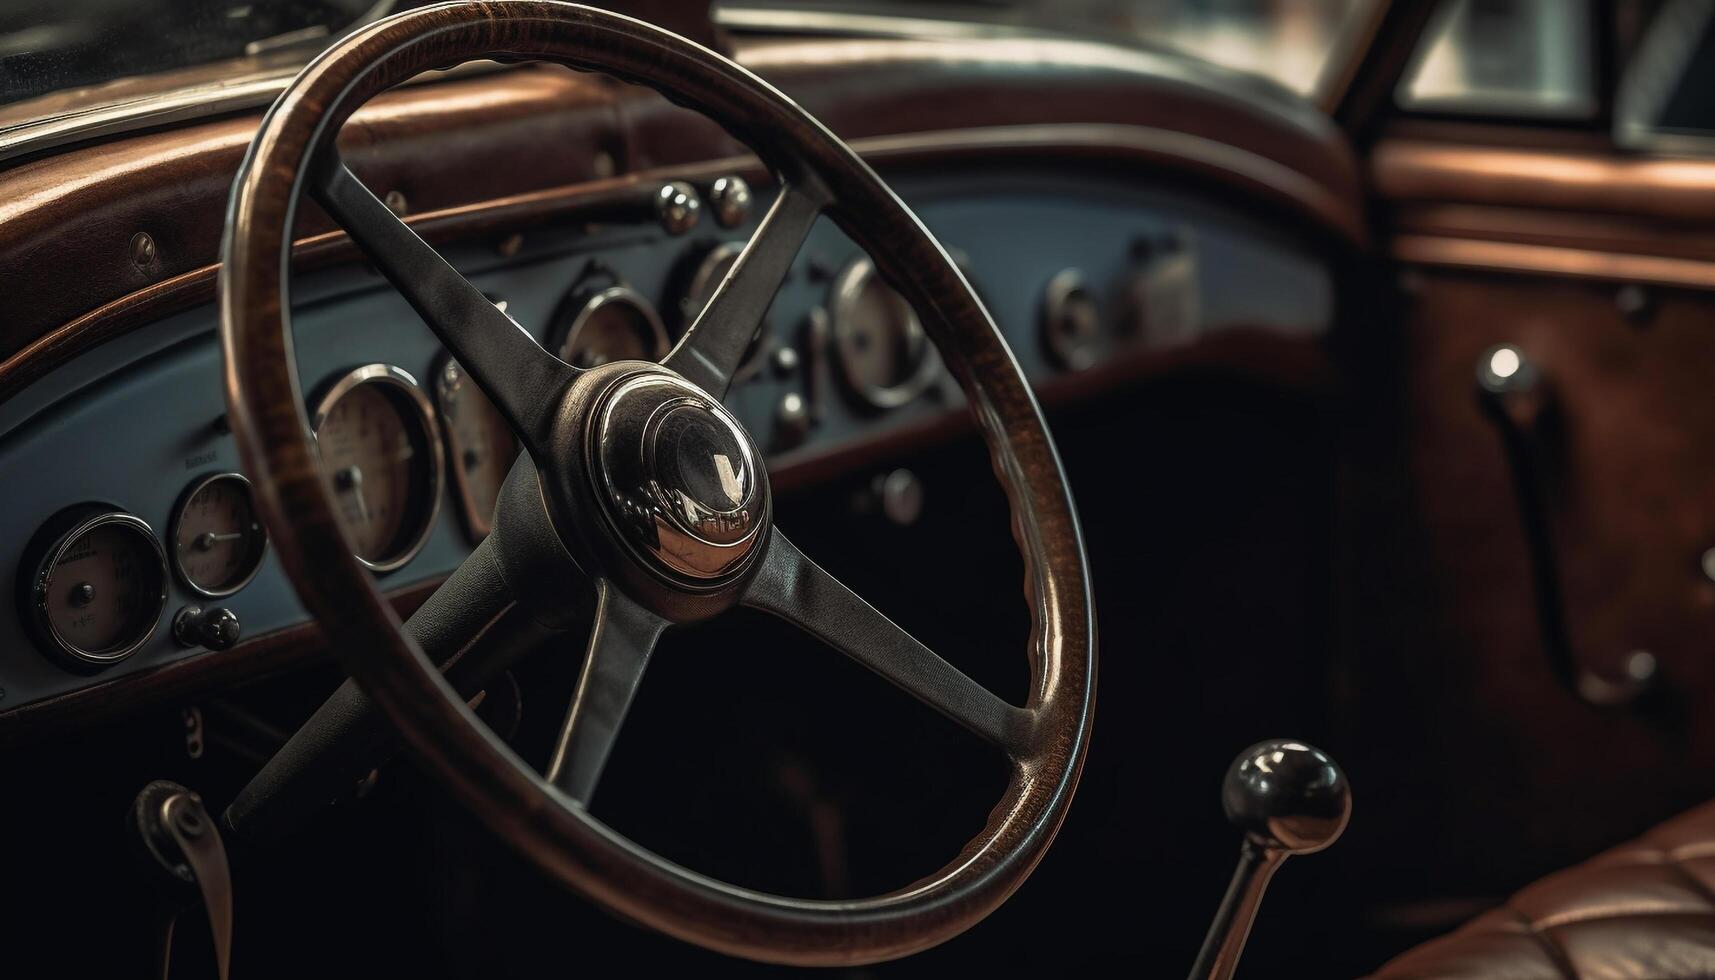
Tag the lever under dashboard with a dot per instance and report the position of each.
(179, 838)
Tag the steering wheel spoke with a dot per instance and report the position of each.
(518, 375)
(621, 639)
(713, 348)
(796, 589)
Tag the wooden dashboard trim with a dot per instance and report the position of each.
(1194, 157)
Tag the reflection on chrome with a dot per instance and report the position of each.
(682, 481)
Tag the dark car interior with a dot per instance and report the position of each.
(511, 489)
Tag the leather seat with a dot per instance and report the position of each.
(1645, 909)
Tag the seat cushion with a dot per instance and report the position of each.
(1642, 911)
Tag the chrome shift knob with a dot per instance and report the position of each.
(1287, 796)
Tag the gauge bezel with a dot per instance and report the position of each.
(1073, 353)
(184, 500)
(847, 287)
(477, 525)
(399, 380)
(589, 303)
(702, 283)
(51, 559)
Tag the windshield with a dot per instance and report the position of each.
(1292, 42)
(49, 46)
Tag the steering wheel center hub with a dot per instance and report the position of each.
(680, 479)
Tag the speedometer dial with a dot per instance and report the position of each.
(381, 449)
(885, 356)
(613, 324)
(99, 588)
(711, 270)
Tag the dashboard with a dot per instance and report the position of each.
(130, 541)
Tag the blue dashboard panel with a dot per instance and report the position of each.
(132, 424)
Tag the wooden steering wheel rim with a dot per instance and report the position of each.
(269, 423)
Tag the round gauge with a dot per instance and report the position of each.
(614, 324)
(99, 589)
(217, 540)
(710, 271)
(479, 443)
(1071, 320)
(885, 357)
(381, 449)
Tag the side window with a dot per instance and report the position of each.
(1505, 58)
(1666, 98)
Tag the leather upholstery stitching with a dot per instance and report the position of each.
(1598, 894)
(1691, 879)
(1550, 948)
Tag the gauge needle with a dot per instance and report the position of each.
(352, 477)
(208, 539)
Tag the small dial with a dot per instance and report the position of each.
(217, 541)
(479, 443)
(613, 324)
(711, 270)
(100, 587)
(381, 449)
(885, 356)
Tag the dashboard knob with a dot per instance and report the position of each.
(791, 420)
(1505, 370)
(215, 628)
(730, 199)
(677, 207)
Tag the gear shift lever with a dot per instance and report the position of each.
(1287, 798)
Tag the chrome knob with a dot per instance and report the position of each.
(1287, 796)
(1504, 370)
(730, 200)
(791, 420)
(214, 628)
(677, 207)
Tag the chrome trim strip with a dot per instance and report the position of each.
(1553, 260)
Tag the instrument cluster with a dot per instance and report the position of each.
(137, 540)
(97, 578)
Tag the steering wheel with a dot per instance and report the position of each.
(636, 478)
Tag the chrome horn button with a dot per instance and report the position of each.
(680, 479)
